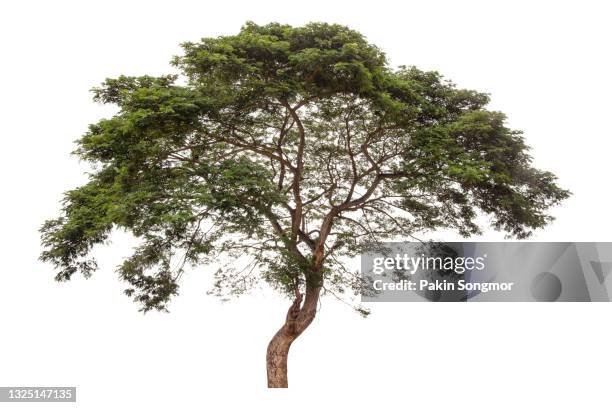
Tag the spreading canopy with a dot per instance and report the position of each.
(294, 146)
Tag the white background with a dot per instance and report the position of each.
(546, 65)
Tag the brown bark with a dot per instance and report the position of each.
(298, 319)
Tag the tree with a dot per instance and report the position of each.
(296, 147)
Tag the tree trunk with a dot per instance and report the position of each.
(276, 359)
(297, 320)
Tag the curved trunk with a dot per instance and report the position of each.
(298, 319)
(276, 359)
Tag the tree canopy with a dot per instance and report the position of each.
(294, 146)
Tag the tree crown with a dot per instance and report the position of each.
(296, 146)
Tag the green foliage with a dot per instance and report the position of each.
(294, 146)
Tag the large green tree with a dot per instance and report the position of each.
(294, 146)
